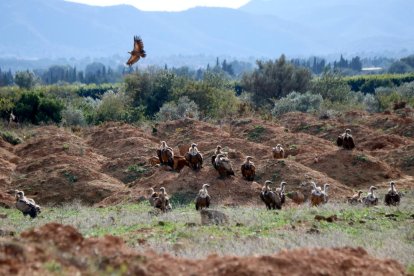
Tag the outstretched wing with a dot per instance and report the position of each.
(132, 59)
(138, 44)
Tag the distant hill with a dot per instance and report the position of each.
(55, 28)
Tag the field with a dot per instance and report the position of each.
(92, 183)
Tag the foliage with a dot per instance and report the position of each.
(256, 134)
(275, 79)
(368, 83)
(297, 102)
(24, 79)
(72, 116)
(331, 86)
(112, 107)
(10, 137)
(36, 107)
(184, 108)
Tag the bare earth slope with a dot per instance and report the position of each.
(108, 164)
(36, 251)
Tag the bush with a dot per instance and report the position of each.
(36, 108)
(371, 103)
(72, 116)
(112, 107)
(275, 79)
(184, 108)
(331, 86)
(25, 79)
(297, 102)
(10, 137)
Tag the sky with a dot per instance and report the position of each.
(166, 5)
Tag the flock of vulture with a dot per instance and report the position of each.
(273, 199)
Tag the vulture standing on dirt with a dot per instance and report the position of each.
(153, 197)
(392, 197)
(278, 152)
(270, 198)
(345, 140)
(138, 51)
(223, 165)
(281, 192)
(319, 196)
(371, 199)
(213, 158)
(248, 169)
(194, 157)
(26, 205)
(355, 199)
(162, 202)
(203, 198)
(166, 155)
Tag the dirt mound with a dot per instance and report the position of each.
(8, 161)
(7, 200)
(57, 166)
(402, 158)
(59, 248)
(354, 168)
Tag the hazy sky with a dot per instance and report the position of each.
(166, 5)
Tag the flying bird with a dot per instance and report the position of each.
(138, 51)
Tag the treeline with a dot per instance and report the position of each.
(274, 87)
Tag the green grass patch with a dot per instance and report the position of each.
(256, 134)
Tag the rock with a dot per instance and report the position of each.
(209, 217)
(3, 216)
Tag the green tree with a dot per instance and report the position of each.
(36, 108)
(24, 79)
(275, 79)
(331, 86)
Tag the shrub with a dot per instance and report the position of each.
(297, 102)
(25, 79)
(371, 103)
(182, 109)
(331, 86)
(10, 137)
(112, 107)
(72, 116)
(36, 108)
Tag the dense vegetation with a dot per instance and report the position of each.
(274, 87)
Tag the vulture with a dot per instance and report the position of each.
(302, 194)
(153, 197)
(355, 199)
(162, 202)
(248, 169)
(166, 155)
(213, 158)
(203, 198)
(138, 51)
(223, 165)
(281, 192)
(392, 197)
(26, 205)
(270, 198)
(345, 140)
(318, 196)
(194, 157)
(371, 199)
(278, 152)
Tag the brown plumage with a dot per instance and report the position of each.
(355, 199)
(213, 158)
(203, 198)
(152, 197)
(392, 197)
(346, 140)
(278, 152)
(194, 157)
(162, 202)
(281, 192)
(317, 196)
(26, 205)
(223, 165)
(138, 51)
(300, 196)
(248, 169)
(371, 199)
(166, 155)
(270, 198)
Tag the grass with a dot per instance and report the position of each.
(256, 134)
(251, 230)
(10, 137)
